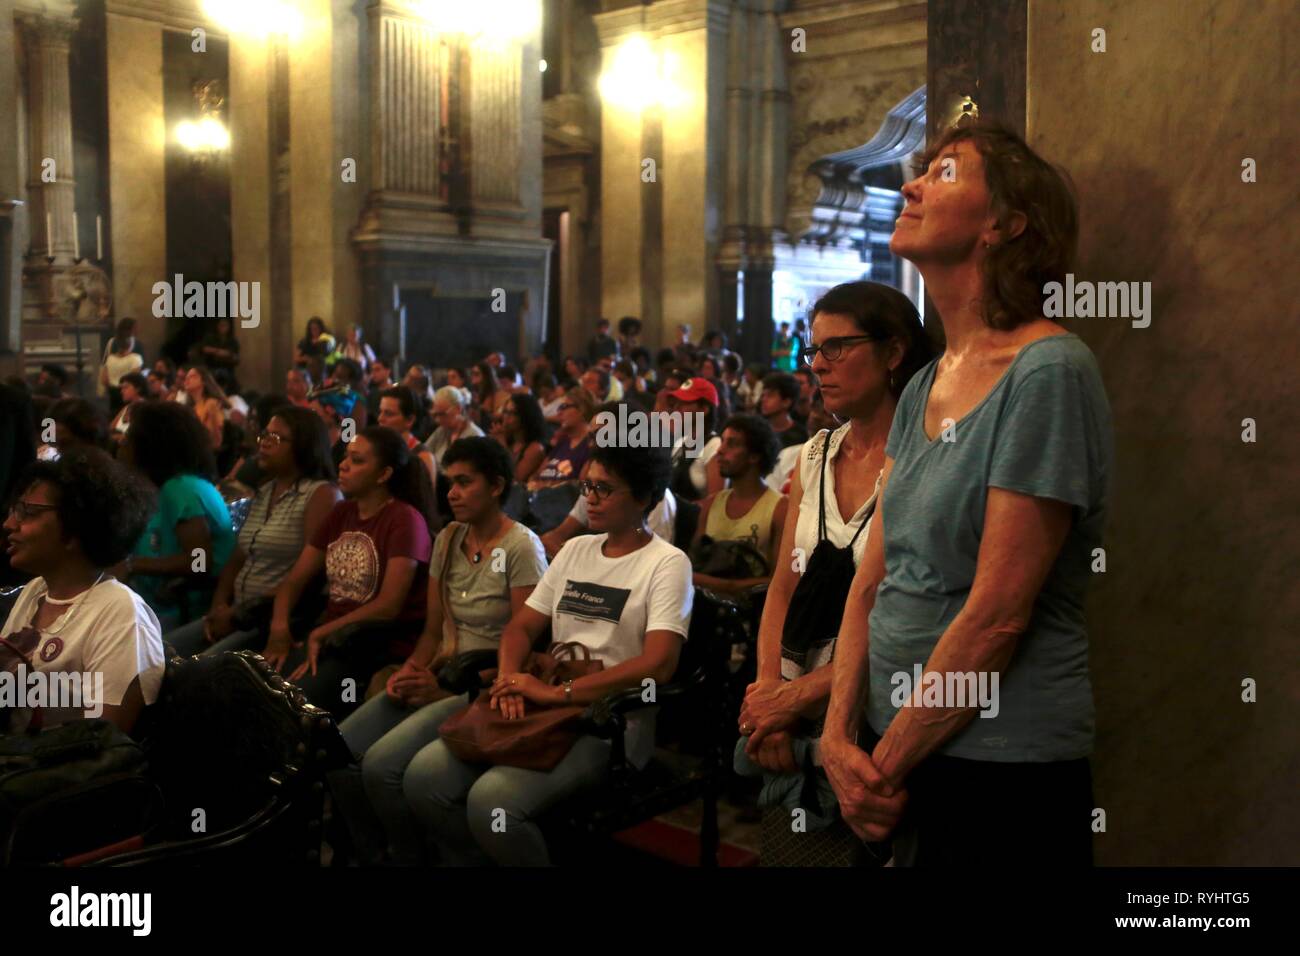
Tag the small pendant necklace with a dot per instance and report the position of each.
(75, 601)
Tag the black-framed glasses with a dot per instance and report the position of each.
(272, 437)
(833, 348)
(26, 510)
(598, 488)
(565, 406)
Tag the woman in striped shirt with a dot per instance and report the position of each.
(299, 491)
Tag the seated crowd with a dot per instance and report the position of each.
(465, 518)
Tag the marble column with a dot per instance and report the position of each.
(47, 40)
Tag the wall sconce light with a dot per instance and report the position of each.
(206, 136)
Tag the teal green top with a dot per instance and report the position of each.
(181, 498)
(1043, 430)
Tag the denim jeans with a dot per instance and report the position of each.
(369, 798)
(188, 640)
(476, 815)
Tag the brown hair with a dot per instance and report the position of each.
(1019, 180)
(883, 313)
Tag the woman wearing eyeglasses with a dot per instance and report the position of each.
(572, 445)
(74, 520)
(296, 495)
(626, 595)
(868, 342)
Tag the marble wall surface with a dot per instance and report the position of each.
(860, 60)
(1200, 590)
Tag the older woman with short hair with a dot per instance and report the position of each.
(449, 413)
(995, 493)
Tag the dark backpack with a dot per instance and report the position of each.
(72, 789)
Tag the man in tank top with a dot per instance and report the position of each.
(747, 510)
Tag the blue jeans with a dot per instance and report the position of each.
(188, 640)
(369, 798)
(476, 815)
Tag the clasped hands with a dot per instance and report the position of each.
(870, 804)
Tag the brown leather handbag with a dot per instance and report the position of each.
(542, 737)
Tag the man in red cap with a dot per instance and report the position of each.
(695, 473)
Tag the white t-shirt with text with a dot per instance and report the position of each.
(609, 604)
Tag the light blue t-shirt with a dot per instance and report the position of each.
(182, 497)
(1043, 430)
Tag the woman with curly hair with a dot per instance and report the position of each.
(189, 535)
(74, 520)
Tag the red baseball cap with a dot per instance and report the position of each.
(694, 389)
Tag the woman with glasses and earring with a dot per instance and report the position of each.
(867, 343)
(74, 520)
(623, 593)
(296, 495)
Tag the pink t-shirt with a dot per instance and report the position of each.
(357, 552)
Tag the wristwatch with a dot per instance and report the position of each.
(568, 692)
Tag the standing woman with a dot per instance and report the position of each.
(314, 348)
(995, 495)
(358, 350)
(867, 344)
(374, 550)
(121, 357)
(207, 401)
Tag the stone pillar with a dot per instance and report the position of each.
(51, 186)
(493, 134)
(14, 214)
(137, 138)
(622, 193)
(693, 42)
(251, 188)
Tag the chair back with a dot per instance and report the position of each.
(226, 734)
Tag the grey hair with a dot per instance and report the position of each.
(451, 395)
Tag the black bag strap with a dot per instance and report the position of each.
(821, 500)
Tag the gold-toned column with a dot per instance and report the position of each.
(137, 139)
(493, 125)
(693, 45)
(51, 186)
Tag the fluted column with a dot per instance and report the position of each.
(47, 41)
(406, 109)
(494, 124)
